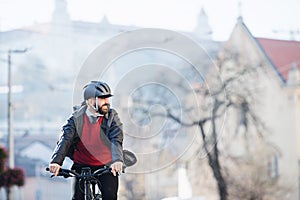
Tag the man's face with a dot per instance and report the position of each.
(103, 104)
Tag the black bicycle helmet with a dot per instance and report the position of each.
(96, 89)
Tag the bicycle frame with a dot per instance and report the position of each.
(89, 186)
(86, 171)
(89, 180)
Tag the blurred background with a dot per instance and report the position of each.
(216, 123)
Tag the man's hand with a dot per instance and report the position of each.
(54, 168)
(116, 167)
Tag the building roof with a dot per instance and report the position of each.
(282, 54)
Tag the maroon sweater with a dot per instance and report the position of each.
(91, 150)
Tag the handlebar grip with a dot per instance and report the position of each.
(48, 169)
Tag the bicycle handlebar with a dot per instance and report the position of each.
(66, 173)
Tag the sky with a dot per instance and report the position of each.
(261, 17)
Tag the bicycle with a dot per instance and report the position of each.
(90, 180)
(91, 192)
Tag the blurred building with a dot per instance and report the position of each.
(278, 81)
(275, 85)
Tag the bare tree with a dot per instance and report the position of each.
(226, 90)
(226, 98)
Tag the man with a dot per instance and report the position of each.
(92, 137)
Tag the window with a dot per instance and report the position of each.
(272, 166)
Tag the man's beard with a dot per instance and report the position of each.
(103, 110)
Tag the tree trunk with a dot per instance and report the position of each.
(215, 166)
(213, 160)
(7, 192)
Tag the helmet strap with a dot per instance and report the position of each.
(94, 107)
(97, 108)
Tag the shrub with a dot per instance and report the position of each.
(12, 177)
(3, 158)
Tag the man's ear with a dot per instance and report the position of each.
(90, 102)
